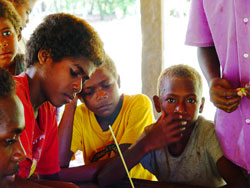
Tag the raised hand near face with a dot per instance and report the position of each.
(167, 130)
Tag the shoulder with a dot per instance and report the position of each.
(205, 131)
(21, 79)
(48, 107)
(22, 86)
(81, 109)
(205, 125)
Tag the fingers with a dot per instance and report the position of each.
(223, 95)
(247, 87)
(171, 128)
(227, 109)
(163, 115)
(226, 104)
(223, 92)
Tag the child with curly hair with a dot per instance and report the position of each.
(10, 27)
(87, 129)
(62, 53)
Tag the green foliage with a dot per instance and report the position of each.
(93, 7)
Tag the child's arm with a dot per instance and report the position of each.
(81, 174)
(164, 132)
(231, 173)
(20, 183)
(222, 93)
(65, 133)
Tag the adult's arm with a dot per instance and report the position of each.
(231, 173)
(209, 62)
(65, 133)
(222, 93)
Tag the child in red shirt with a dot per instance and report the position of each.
(61, 54)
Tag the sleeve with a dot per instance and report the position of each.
(140, 115)
(146, 162)
(198, 31)
(213, 147)
(77, 141)
(49, 161)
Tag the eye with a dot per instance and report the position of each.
(106, 86)
(88, 93)
(10, 142)
(170, 100)
(192, 101)
(6, 33)
(74, 73)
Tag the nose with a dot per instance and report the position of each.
(101, 94)
(18, 152)
(180, 107)
(77, 85)
(3, 44)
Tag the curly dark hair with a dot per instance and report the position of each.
(19, 1)
(109, 65)
(7, 83)
(65, 35)
(8, 11)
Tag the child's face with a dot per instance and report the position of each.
(181, 95)
(11, 125)
(61, 81)
(24, 10)
(8, 43)
(101, 93)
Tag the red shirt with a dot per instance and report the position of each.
(39, 138)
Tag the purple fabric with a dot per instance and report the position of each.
(225, 24)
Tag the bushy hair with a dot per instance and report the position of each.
(109, 65)
(65, 35)
(8, 11)
(7, 83)
(177, 71)
(19, 2)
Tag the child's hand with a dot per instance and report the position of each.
(223, 95)
(167, 130)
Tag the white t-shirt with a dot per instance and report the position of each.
(197, 163)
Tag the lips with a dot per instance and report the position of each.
(104, 107)
(69, 98)
(5, 54)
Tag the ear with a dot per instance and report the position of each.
(119, 81)
(43, 56)
(202, 105)
(157, 103)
